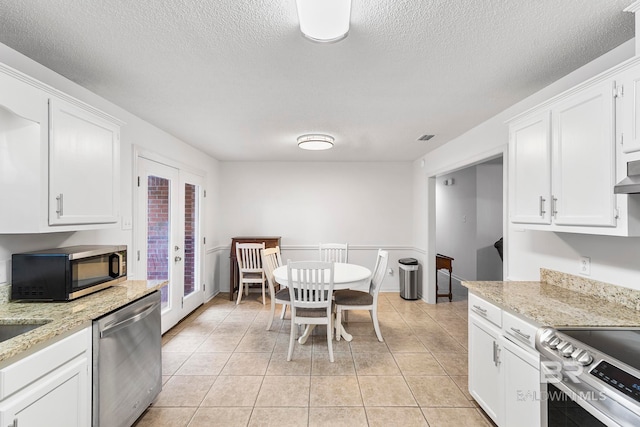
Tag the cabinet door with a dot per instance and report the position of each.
(58, 400)
(23, 156)
(629, 90)
(584, 158)
(522, 396)
(84, 166)
(484, 366)
(530, 170)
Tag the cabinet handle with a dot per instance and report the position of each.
(554, 203)
(495, 353)
(60, 202)
(521, 334)
(480, 310)
(542, 211)
(14, 423)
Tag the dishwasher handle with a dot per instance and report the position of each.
(129, 321)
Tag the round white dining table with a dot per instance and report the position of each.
(345, 276)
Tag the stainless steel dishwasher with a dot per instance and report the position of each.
(127, 368)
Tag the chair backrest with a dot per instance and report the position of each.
(378, 272)
(334, 252)
(310, 283)
(249, 257)
(270, 261)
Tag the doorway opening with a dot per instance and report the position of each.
(469, 225)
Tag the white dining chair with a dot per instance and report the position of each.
(270, 261)
(250, 268)
(349, 299)
(311, 293)
(334, 252)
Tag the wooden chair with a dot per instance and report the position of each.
(311, 293)
(270, 261)
(250, 267)
(334, 252)
(358, 300)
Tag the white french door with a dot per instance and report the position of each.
(169, 238)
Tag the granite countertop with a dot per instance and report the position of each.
(551, 305)
(60, 318)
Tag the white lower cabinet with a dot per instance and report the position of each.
(51, 387)
(521, 374)
(484, 366)
(504, 373)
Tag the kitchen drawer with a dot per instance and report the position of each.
(485, 309)
(519, 330)
(35, 366)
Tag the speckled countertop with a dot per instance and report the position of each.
(60, 318)
(551, 305)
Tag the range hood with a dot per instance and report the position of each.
(631, 184)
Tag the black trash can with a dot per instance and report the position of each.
(408, 276)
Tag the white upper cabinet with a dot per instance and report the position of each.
(84, 166)
(629, 92)
(59, 160)
(564, 158)
(584, 158)
(530, 182)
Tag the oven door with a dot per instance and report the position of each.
(568, 403)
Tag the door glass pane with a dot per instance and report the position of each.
(190, 237)
(158, 233)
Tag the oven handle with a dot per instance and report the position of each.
(111, 329)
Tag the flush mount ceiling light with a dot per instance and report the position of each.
(324, 21)
(315, 142)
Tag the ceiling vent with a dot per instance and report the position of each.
(425, 137)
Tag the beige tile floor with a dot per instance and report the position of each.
(222, 368)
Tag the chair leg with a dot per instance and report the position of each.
(284, 309)
(338, 322)
(292, 338)
(329, 340)
(376, 325)
(240, 286)
(272, 312)
(264, 301)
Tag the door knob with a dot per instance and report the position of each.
(177, 259)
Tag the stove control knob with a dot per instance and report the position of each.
(582, 357)
(565, 348)
(552, 342)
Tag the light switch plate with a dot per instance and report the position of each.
(127, 223)
(3, 271)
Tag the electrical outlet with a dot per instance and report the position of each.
(585, 265)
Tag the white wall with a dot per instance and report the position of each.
(368, 205)
(456, 221)
(136, 132)
(613, 260)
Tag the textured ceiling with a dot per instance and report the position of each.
(236, 79)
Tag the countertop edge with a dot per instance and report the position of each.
(65, 318)
(550, 305)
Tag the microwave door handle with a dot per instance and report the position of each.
(111, 329)
(117, 271)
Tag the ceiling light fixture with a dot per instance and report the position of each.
(324, 21)
(315, 142)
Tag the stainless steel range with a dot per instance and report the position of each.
(590, 376)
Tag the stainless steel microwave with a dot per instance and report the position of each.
(64, 274)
